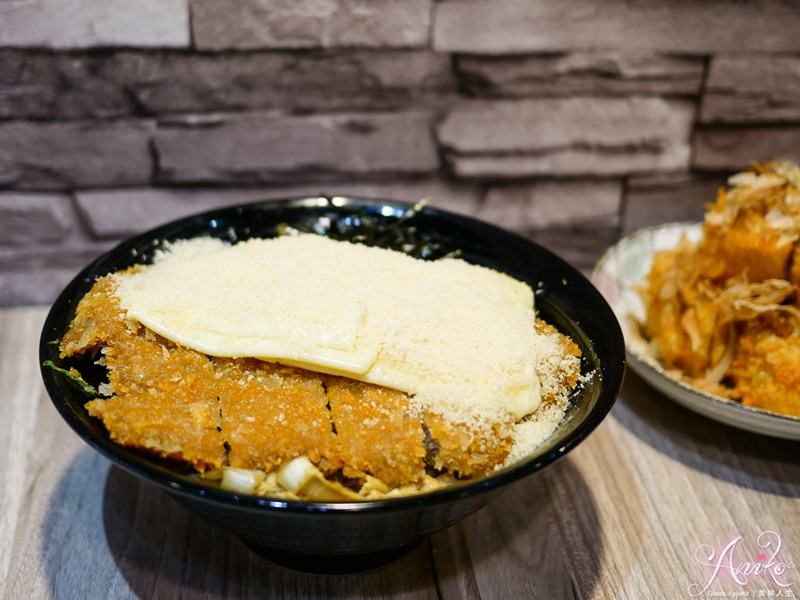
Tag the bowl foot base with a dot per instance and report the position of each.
(326, 564)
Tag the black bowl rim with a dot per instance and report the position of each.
(613, 375)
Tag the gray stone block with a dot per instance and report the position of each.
(544, 204)
(42, 85)
(577, 220)
(567, 136)
(240, 24)
(263, 147)
(581, 73)
(718, 149)
(577, 162)
(554, 123)
(86, 23)
(752, 89)
(123, 212)
(74, 253)
(35, 274)
(580, 245)
(119, 213)
(80, 154)
(653, 201)
(172, 82)
(514, 26)
(18, 288)
(34, 218)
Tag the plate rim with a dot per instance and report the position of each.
(646, 369)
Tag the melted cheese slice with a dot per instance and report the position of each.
(456, 336)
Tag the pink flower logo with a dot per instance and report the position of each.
(767, 564)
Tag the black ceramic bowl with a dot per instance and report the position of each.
(330, 537)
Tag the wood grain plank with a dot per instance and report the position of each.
(59, 546)
(162, 550)
(79, 528)
(620, 517)
(701, 482)
(517, 542)
(632, 504)
(19, 388)
(100, 532)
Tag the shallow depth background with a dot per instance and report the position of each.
(572, 122)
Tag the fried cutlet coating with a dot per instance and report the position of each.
(179, 403)
(753, 226)
(725, 311)
(748, 246)
(765, 369)
(561, 372)
(98, 319)
(468, 449)
(569, 347)
(665, 308)
(161, 402)
(271, 414)
(376, 431)
(380, 434)
(682, 312)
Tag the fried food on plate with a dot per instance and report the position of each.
(724, 312)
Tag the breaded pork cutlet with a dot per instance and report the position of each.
(467, 449)
(271, 414)
(181, 404)
(251, 414)
(472, 449)
(382, 434)
(376, 431)
(161, 403)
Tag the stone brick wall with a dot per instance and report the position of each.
(572, 122)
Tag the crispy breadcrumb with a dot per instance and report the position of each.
(377, 432)
(468, 449)
(765, 369)
(161, 402)
(271, 414)
(245, 413)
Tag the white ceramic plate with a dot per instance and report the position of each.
(624, 267)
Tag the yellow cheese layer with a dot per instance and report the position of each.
(458, 337)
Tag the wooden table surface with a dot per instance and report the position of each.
(619, 517)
